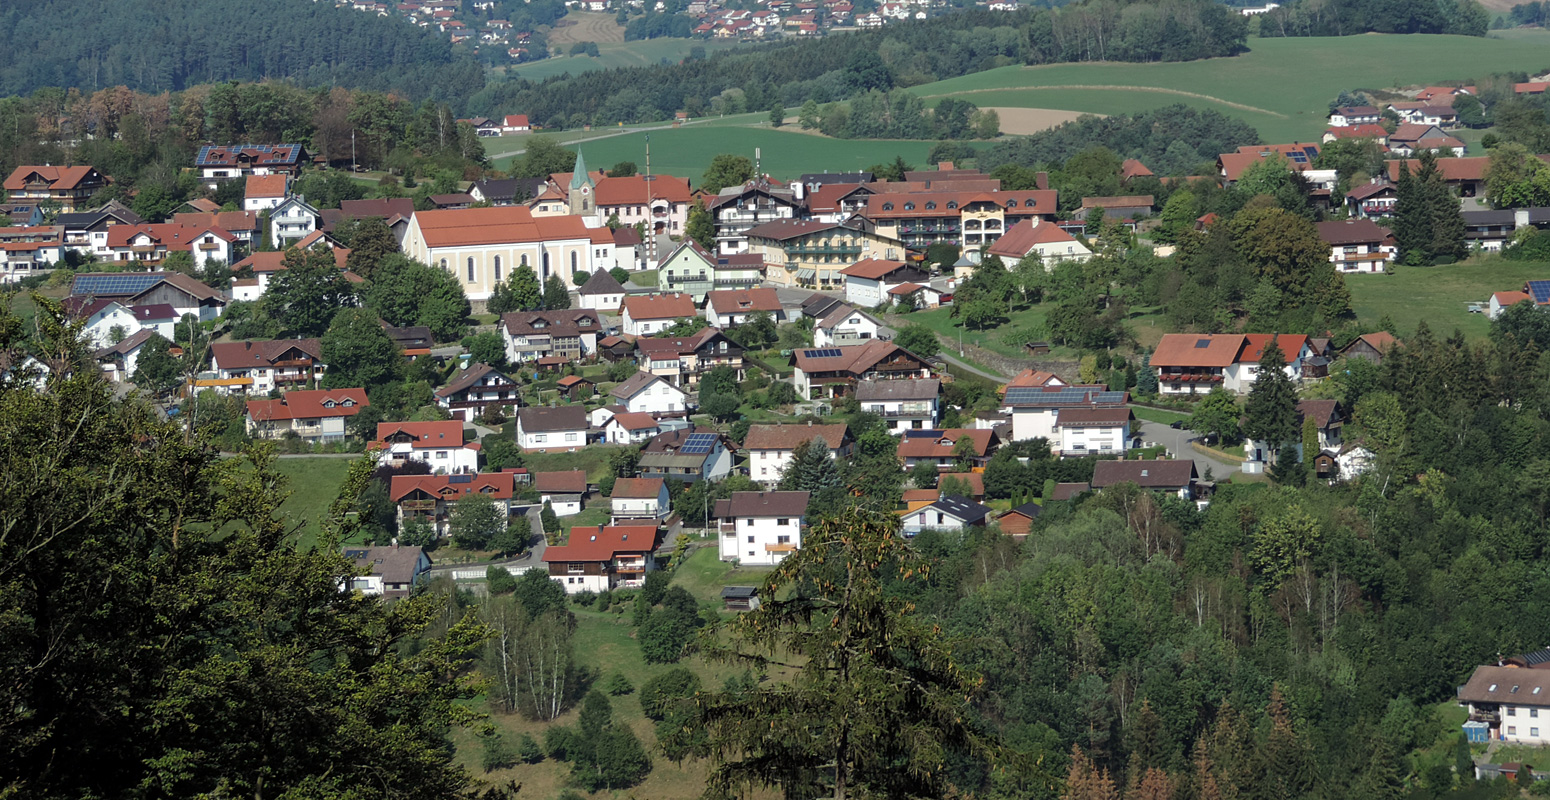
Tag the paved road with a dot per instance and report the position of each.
(533, 558)
(964, 365)
(1177, 442)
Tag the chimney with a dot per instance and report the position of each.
(1041, 180)
(809, 423)
(1519, 218)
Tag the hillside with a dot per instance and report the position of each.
(1280, 86)
(168, 45)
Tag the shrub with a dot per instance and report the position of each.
(660, 692)
(494, 754)
(528, 750)
(618, 685)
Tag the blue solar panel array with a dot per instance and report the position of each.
(927, 433)
(827, 352)
(1033, 396)
(1539, 291)
(115, 284)
(698, 443)
(461, 479)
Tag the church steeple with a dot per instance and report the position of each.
(581, 186)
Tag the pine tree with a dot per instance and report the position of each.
(525, 293)
(555, 296)
(1270, 416)
(1310, 442)
(811, 468)
(1411, 217)
(1381, 780)
(1285, 763)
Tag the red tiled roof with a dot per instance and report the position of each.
(461, 227)
(170, 234)
(1158, 474)
(1127, 201)
(1469, 168)
(855, 359)
(57, 177)
(603, 543)
(974, 480)
(1034, 201)
(1505, 299)
(944, 446)
(225, 220)
(1363, 231)
(658, 306)
(638, 488)
(248, 355)
(873, 268)
(1254, 343)
(1363, 131)
(787, 437)
(1197, 350)
(1092, 417)
(634, 190)
(274, 260)
(266, 186)
(1021, 239)
(729, 300)
(443, 433)
(309, 404)
(497, 485)
(635, 421)
(1133, 168)
(566, 482)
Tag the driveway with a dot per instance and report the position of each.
(1177, 442)
(532, 559)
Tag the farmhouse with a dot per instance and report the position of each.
(264, 367)
(1170, 477)
(66, 187)
(729, 307)
(313, 415)
(687, 454)
(603, 558)
(682, 360)
(570, 334)
(1358, 245)
(439, 445)
(431, 498)
(826, 372)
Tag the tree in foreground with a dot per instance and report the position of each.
(875, 705)
(162, 625)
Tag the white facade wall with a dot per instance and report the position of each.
(904, 415)
(479, 279)
(753, 535)
(854, 329)
(930, 518)
(658, 397)
(1032, 423)
(578, 583)
(99, 328)
(641, 507)
(645, 327)
(442, 460)
(564, 505)
(865, 292)
(552, 440)
(614, 433)
(1075, 440)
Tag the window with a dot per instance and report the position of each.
(1512, 730)
(909, 206)
(1534, 713)
(497, 269)
(889, 206)
(1512, 711)
(573, 567)
(750, 540)
(783, 540)
(546, 267)
(750, 522)
(930, 205)
(443, 263)
(570, 437)
(441, 454)
(730, 534)
(470, 269)
(540, 438)
(573, 262)
(1533, 731)
(524, 259)
(951, 204)
(750, 554)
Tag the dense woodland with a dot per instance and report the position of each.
(1349, 17)
(911, 53)
(160, 46)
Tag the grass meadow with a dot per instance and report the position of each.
(1281, 86)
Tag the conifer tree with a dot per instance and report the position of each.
(1270, 416)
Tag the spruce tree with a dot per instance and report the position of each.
(1270, 416)
(811, 468)
(555, 295)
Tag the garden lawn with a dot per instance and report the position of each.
(592, 459)
(1158, 415)
(1439, 295)
(314, 483)
(1027, 318)
(1282, 86)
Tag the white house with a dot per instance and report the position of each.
(391, 571)
(120, 359)
(438, 444)
(1033, 236)
(1093, 431)
(644, 393)
(628, 427)
(729, 307)
(1175, 476)
(515, 123)
(766, 527)
(263, 192)
(868, 282)
(1240, 376)
(1358, 245)
(947, 514)
(770, 447)
(1036, 409)
(102, 317)
(292, 219)
(601, 292)
(151, 244)
(244, 367)
(559, 428)
(647, 314)
(1513, 702)
(1350, 116)
(905, 404)
(1327, 422)
(563, 491)
(314, 415)
(1190, 363)
(640, 499)
(846, 326)
(602, 558)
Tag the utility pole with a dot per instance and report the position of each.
(651, 225)
(353, 166)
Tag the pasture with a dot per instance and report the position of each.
(1439, 295)
(614, 54)
(1281, 86)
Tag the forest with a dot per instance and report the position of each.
(1173, 140)
(911, 53)
(1351, 17)
(156, 46)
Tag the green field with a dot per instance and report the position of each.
(1282, 86)
(626, 54)
(314, 483)
(1439, 295)
(687, 151)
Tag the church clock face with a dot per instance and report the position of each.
(585, 190)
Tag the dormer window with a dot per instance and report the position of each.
(584, 321)
(328, 404)
(1011, 204)
(887, 206)
(909, 206)
(930, 205)
(952, 204)
(348, 402)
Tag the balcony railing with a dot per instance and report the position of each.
(819, 250)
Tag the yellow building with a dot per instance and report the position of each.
(481, 246)
(811, 254)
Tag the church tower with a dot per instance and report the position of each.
(582, 194)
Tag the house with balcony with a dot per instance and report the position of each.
(948, 514)
(263, 192)
(223, 163)
(728, 307)
(825, 372)
(431, 498)
(1512, 701)
(640, 499)
(267, 265)
(770, 448)
(1372, 200)
(844, 326)
(292, 220)
(648, 314)
(314, 415)
(627, 427)
(968, 219)
(474, 389)
(645, 393)
(1350, 116)
(868, 282)
(735, 210)
(944, 448)
(25, 252)
(811, 254)
(1035, 410)
(1328, 420)
(603, 558)
(1050, 242)
(660, 202)
(66, 188)
(689, 269)
(683, 360)
(258, 368)
(1188, 363)
(1358, 245)
(87, 231)
(439, 445)
(558, 429)
(570, 334)
(1093, 431)
(120, 359)
(184, 294)
(687, 454)
(766, 527)
(906, 405)
(1176, 477)
(150, 244)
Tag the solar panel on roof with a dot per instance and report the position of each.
(827, 352)
(922, 434)
(126, 283)
(1033, 396)
(698, 443)
(1540, 291)
(461, 479)
(1202, 343)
